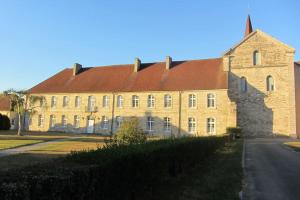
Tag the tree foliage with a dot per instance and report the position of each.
(130, 133)
(4, 122)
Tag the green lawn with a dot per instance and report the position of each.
(8, 144)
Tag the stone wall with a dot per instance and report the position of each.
(224, 112)
(261, 112)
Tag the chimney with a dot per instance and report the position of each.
(168, 62)
(76, 68)
(137, 64)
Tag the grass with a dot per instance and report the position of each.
(8, 144)
(220, 178)
(294, 145)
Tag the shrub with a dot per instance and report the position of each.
(130, 133)
(4, 122)
(114, 172)
(234, 132)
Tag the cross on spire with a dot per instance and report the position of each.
(248, 27)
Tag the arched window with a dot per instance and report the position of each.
(192, 100)
(105, 101)
(167, 101)
(211, 100)
(151, 101)
(270, 83)
(135, 101)
(120, 101)
(243, 84)
(256, 58)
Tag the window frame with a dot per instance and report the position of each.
(120, 101)
(192, 101)
(64, 121)
(119, 121)
(76, 121)
(210, 125)
(105, 101)
(150, 124)
(192, 125)
(77, 101)
(243, 84)
(256, 58)
(168, 101)
(135, 103)
(167, 124)
(150, 101)
(104, 122)
(52, 121)
(41, 120)
(65, 101)
(211, 100)
(53, 101)
(270, 85)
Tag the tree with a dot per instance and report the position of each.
(130, 133)
(21, 103)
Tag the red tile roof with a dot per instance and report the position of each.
(4, 104)
(183, 75)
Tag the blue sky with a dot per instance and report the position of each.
(40, 38)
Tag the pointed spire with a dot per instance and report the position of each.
(248, 27)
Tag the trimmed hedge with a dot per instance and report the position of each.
(114, 172)
(234, 132)
(4, 122)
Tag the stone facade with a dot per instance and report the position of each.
(262, 112)
(223, 112)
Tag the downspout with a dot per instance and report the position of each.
(179, 115)
(112, 115)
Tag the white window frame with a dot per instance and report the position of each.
(91, 103)
(65, 101)
(52, 121)
(104, 122)
(150, 124)
(192, 101)
(167, 101)
(64, 121)
(40, 120)
(53, 101)
(211, 100)
(105, 101)
(77, 101)
(167, 124)
(192, 125)
(76, 121)
(211, 126)
(135, 101)
(151, 101)
(119, 121)
(120, 101)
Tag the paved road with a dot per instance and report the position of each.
(272, 170)
(23, 149)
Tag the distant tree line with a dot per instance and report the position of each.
(4, 122)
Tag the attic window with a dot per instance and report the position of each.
(256, 58)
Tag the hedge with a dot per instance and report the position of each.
(4, 122)
(114, 172)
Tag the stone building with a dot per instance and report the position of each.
(251, 86)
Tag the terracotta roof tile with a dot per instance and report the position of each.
(183, 75)
(4, 104)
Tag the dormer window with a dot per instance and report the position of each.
(256, 58)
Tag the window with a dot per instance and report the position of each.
(151, 101)
(243, 84)
(41, 121)
(76, 121)
(52, 121)
(12, 123)
(91, 103)
(270, 83)
(105, 101)
(53, 102)
(64, 121)
(192, 101)
(65, 101)
(150, 123)
(104, 123)
(120, 101)
(119, 121)
(256, 58)
(77, 101)
(135, 101)
(167, 124)
(191, 125)
(42, 102)
(167, 101)
(211, 100)
(211, 125)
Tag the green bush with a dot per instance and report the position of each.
(234, 132)
(130, 133)
(4, 122)
(114, 172)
